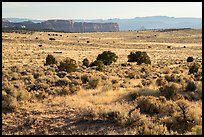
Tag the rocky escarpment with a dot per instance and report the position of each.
(64, 25)
(94, 27)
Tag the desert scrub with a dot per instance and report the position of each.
(50, 68)
(7, 87)
(62, 82)
(139, 57)
(190, 59)
(13, 76)
(172, 78)
(74, 88)
(21, 94)
(166, 70)
(86, 62)
(9, 103)
(85, 78)
(68, 65)
(177, 116)
(39, 84)
(61, 74)
(12, 99)
(148, 105)
(198, 76)
(14, 69)
(132, 74)
(107, 57)
(193, 68)
(52, 71)
(193, 91)
(140, 124)
(110, 115)
(93, 82)
(146, 82)
(98, 64)
(132, 96)
(148, 92)
(114, 81)
(28, 79)
(64, 91)
(37, 74)
(171, 91)
(69, 89)
(55, 90)
(107, 86)
(50, 59)
(161, 82)
(50, 79)
(33, 87)
(191, 86)
(74, 75)
(196, 130)
(183, 117)
(39, 95)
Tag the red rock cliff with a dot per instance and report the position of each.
(66, 26)
(71, 26)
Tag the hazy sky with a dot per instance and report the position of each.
(99, 10)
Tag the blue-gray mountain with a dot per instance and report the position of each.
(138, 23)
(153, 22)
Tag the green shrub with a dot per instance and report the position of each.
(191, 86)
(50, 59)
(190, 59)
(99, 65)
(193, 68)
(68, 65)
(107, 57)
(51, 38)
(85, 78)
(139, 57)
(86, 62)
(61, 82)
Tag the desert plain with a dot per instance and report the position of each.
(125, 98)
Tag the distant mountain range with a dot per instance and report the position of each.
(138, 23)
(17, 20)
(153, 22)
(59, 25)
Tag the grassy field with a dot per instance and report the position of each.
(123, 99)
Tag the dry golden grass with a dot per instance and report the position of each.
(35, 100)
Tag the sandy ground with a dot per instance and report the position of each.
(62, 115)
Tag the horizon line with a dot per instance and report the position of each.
(103, 18)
